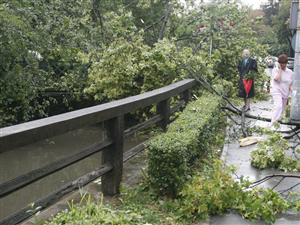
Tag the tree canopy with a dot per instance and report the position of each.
(62, 55)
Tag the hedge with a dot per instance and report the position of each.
(172, 154)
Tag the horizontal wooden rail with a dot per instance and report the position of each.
(144, 125)
(26, 133)
(34, 175)
(134, 151)
(56, 195)
(112, 114)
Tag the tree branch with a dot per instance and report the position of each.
(166, 19)
(259, 117)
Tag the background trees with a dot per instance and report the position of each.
(62, 55)
(277, 34)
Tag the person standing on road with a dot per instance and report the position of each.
(246, 65)
(281, 87)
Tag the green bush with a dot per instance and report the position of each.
(271, 154)
(90, 212)
(215, 192)
(172, 154)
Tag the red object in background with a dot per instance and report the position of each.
(247, 85)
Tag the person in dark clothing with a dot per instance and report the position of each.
(246, 65)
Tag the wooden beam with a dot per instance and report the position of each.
(30, 132)
(28, 178)
(114, 156)
(55, 196)
(163, 108)
(134, 151)
(144, 125)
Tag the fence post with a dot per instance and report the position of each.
(114, 156)
(186, 95)
(163, 108)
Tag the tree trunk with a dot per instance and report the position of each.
(97, 15)
(165, 21)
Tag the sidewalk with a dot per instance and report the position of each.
(238, 156)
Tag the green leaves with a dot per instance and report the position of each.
(271, 154)
(172, 154)
(128, 68)
(215, 192)
(96, 213)
(220, 31)
(116, 74)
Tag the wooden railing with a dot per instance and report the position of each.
(112, 115)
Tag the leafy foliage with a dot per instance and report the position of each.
(212, 191)
(215, 192)
(93, 213)
(65, 55)
(250, 75)
(271, 154)
(116, 74)
(275, 30)
(280, 24)
(172, 154)
(222, 31)
(131, 67)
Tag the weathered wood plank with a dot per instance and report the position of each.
(163, 108)
(134, 151)
(53, 197)
(28, 178)
(30, 132)
(144, 125)
(114, 156)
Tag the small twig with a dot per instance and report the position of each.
(155, 23)
(243, 123)
(233, 120)
(298, 136)
(296, 155)
(258, 117)
(237, 176)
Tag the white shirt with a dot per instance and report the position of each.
(283, 86)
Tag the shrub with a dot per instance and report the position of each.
(89, 212)
(271, 154)
(172, 154)
(215, 192)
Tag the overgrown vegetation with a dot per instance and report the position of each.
(142, 204)
(206, 186)
(271, 153)
(274, 27)
(63, 55)
(211, 191)
(172, 154)
(215, 192)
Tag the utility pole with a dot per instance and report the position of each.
(295, 110)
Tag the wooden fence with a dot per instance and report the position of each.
(112, 115)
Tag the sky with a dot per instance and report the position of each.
(254, 3)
